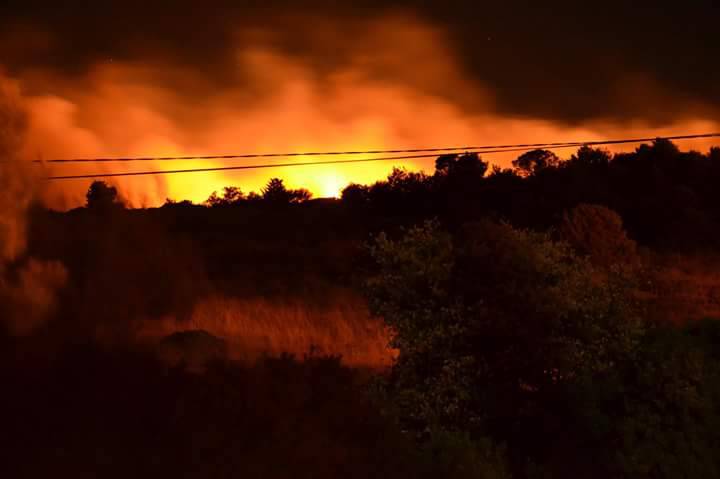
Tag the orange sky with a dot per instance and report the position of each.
(282, 104)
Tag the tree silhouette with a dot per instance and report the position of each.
(592, 157)
(254, 197)
(661, 148)
(492, 325)
(300, 195)
(403, 181)
(102, 197)
(355, 196)
(532, 162)
(443, 163)
(276, 192)
(232, 195)
(468, 165)
(214, 200)
(170, 203)
(715, 155)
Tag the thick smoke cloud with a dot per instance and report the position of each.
(145, 80)
(569, 61)
(28, 287)
(16, 185)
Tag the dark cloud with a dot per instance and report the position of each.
(569, 61)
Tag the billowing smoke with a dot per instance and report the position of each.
(28, 287)
(33, 296)
(369, 83)
(16, 184)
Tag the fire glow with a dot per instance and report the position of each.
(280, 103)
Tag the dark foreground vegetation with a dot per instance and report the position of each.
(551, 320)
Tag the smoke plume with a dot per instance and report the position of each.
(377, 81)
(28, 287)
(16, 184)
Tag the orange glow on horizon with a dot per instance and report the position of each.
(281, 103)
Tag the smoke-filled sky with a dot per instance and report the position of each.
(216, 77)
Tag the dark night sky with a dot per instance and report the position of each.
(569, 61)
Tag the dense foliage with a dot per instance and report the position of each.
(510, 336)
(529, 306)
(666, 197)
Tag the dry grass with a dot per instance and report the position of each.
(686, 288)
(260, 326)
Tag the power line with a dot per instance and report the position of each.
(479, 149)
(366, 160)
(285, 155)
(244, 167)
(267, 165)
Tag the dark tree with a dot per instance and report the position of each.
(232, 195)
(597, 231)
(253, 197)
(170, 204)
(592, 157)
(214, 200)
(355, 196)
(715, 155)
(468, 165)
(532, 162)
(102, 197)
(300, 195)
(500, 172)
(662, 149)
(444, 163)
(492, 325)
(277, 193)
(466, 306)
(659, 413)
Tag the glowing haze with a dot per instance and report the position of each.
(399, 84)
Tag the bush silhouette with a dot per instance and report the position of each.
(232, 195)
(468, 165)
(598, 232)
(102, 197)
(355, 196)
(532, 162)
(492, 324)
(591, 157)
(275, 192)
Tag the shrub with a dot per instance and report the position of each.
(492, 325)
(597, 231)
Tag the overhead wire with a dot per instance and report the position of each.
(293, 154)
(371, 152)
(483, 150)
